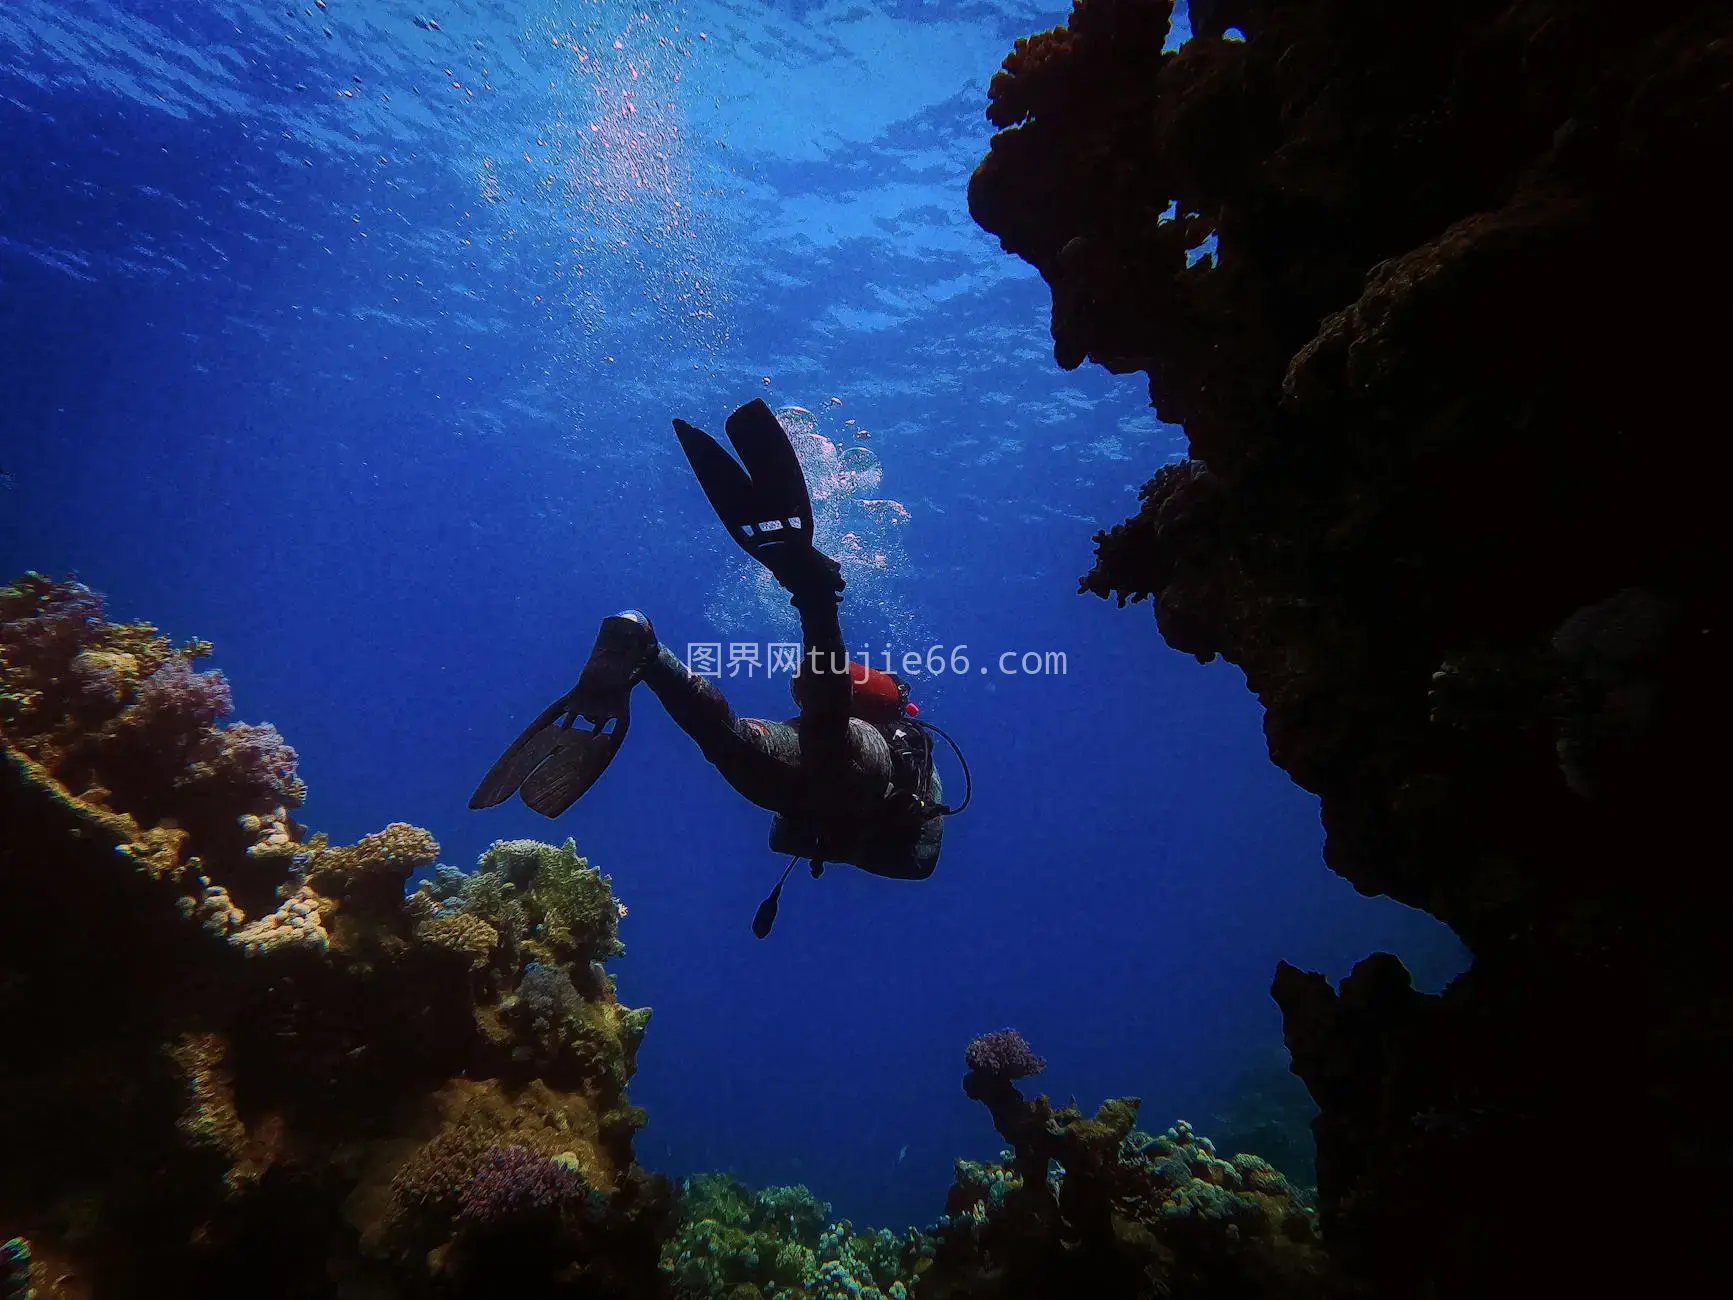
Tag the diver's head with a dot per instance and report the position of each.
(877, 696)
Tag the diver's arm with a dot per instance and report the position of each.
(825, 698)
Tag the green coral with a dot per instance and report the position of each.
(793, 1210)
(572, 912)
(516, 862)
(717, 1198)
(486, 895)
(604, 1037)
(863, 1265)
(463, 933)
(1166, 1213)
(777, 1243)
(978, 1190)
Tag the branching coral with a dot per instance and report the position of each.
(117, 708)
(485, 894)
(1003, 1054)
(45, 627)
(515, 1187)
(427, 1190)
(510, 1184)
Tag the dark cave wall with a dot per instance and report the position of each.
(1448, 377)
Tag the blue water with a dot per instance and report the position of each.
(356, 354)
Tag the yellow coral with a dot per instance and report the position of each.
(275, 838)
(300, 921)
(398, 849)
(156, 850)
(118, 671)
(143, 643)
(461, 932)
(210, 1118)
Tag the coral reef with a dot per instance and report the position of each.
(573, 913)
(1393, 269)
(780, 1244)
(1003, 1054)
(535, 923)
(1092, 1206)
(250, 1063)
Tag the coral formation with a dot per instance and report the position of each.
(1389, 268)
(535, 923)
(511, 1184)
(1003, 1054)
(1092, 1206)
(573, 914)
(780, 1244)
(238, 1043)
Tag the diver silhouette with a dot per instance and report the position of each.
(850, 780)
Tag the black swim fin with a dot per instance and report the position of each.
(765, 505)
(555, 761)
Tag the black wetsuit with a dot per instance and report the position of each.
(830, 777)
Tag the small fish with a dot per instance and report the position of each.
(903, 1154)
(836, 401)
(6, 479)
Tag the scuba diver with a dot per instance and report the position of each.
(850, 780)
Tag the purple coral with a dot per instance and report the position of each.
(548, 997)
(176, 700)
(1003, 1054)
(44, 623)
(513, 1183)
(258, 760)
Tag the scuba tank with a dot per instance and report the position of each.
(909, 809)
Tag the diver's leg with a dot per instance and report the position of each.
(759, 759)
